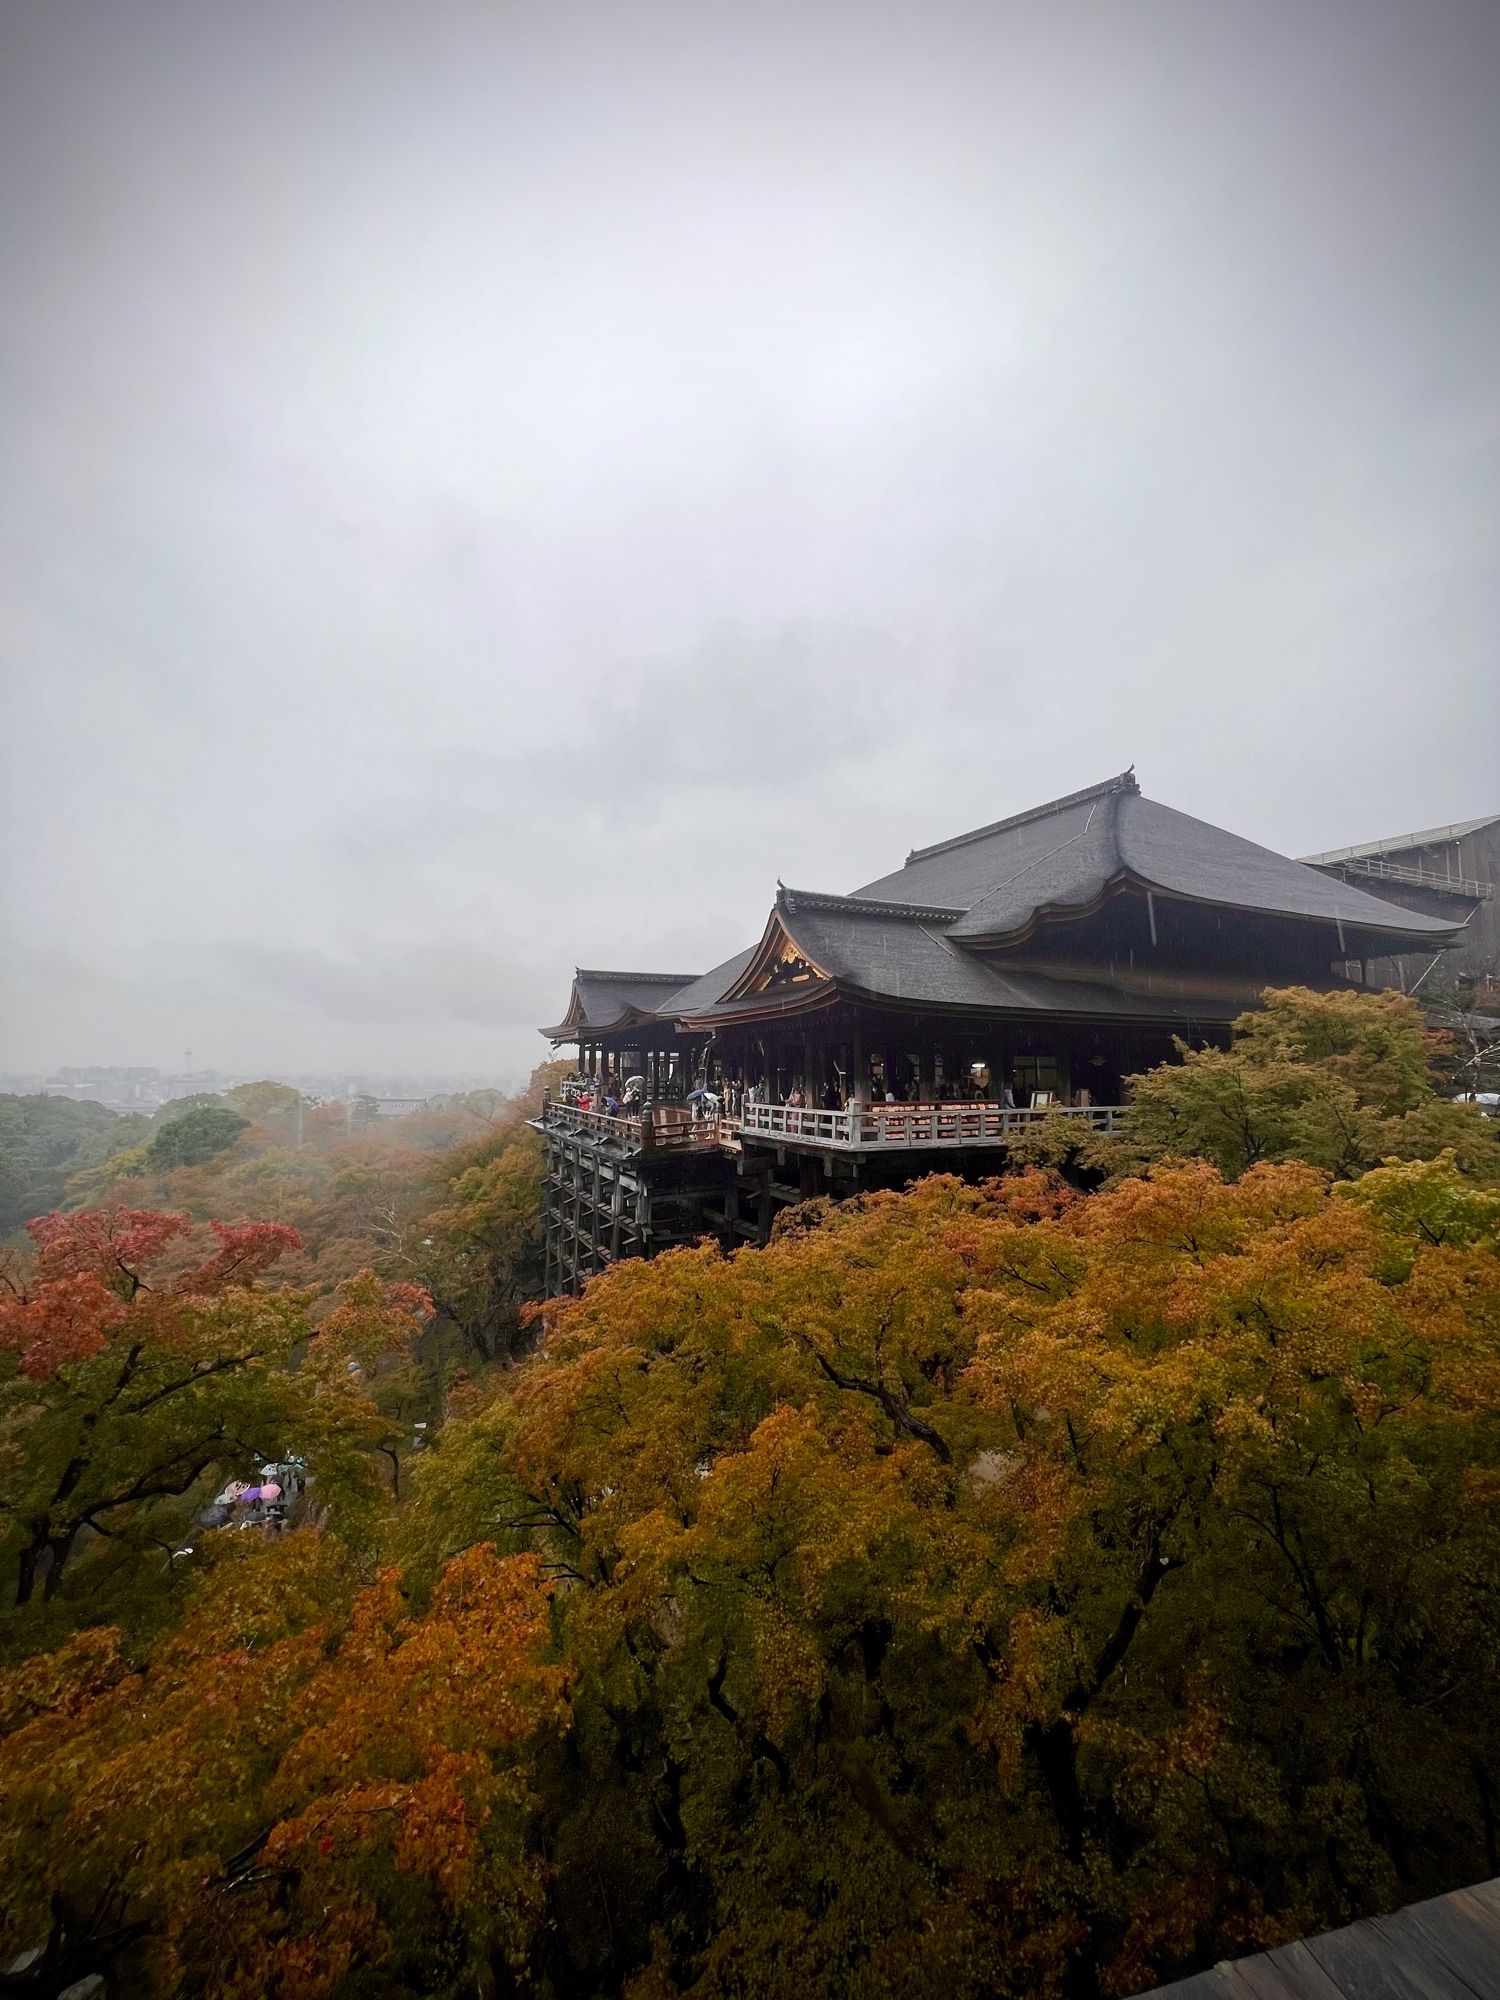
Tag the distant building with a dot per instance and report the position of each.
(1448, 872)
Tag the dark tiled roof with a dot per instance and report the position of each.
(791, 900)
(1446, 1949)
(1064, 856)
(600, 998)
(1188, 857)
(962, 873)
(908, 958)
(703, 992)
(902, 937)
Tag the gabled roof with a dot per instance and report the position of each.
(603, 1000)
(1188, 857)
(791, 900)
(1065, 856)
(909, 938)
(1401, 843)
(1040, 843)
(851, 948)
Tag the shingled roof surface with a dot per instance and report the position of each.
(913, 959)
(1065, 854)
(1446, 1949)
(712, 986)
(602, 997)
(902, 937)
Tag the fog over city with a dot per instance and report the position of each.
(487, 487)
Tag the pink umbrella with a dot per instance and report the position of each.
(271, 1491)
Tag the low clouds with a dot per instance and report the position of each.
(385, 985)
(500, 494)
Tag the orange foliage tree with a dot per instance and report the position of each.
(1012, 1592)
(138, 1363)
(307, 1783)
(991, 1589)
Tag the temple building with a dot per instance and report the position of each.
(1019, 971)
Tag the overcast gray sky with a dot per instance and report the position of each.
(488, 486)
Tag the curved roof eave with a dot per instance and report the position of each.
(1439, 934)
(776, 1004)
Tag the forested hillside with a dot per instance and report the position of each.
(1039, 1588)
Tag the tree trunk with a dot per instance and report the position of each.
(26, 1564)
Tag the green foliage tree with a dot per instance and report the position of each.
(195, 1137)
(179, 1107)
(44, 1141)
(277, 1107)
(478, 1251)
(1341, 1080)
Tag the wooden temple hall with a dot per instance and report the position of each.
(1017, 972)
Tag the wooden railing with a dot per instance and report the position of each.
(1380, 870)
(673, 1133)
(967, 1124)
(597, 1125)
(665, 1128)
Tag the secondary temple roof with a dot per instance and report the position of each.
(927, 935)
(604, 1001)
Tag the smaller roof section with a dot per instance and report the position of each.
(601, 1001)
(1402, 843)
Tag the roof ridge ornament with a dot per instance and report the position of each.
(1126, 782)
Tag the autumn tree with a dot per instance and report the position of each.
(996, 1590)
(477, 1249)
(1341, 1080)
(1010, 1592)
(133, 1365)
(308, 1788)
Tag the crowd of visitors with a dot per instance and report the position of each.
(728, 1096)
(261, 1505)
